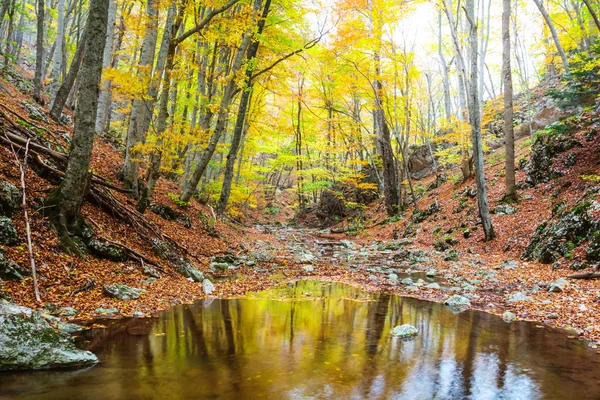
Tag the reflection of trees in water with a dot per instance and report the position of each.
(375, 326)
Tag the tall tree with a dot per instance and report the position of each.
(39, 52)
(58, 49)
(104, 101)
(509, 133)
(475, 117)
(554, 33)
(68, 197)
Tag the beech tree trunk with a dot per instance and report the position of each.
(104, 100)
(509, 134)
(475, 116)
(57, 57)
(554, 34)
(592, 13)
(68, 197)
(241, 115)
(39, 53)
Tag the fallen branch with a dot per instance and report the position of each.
(586, 275)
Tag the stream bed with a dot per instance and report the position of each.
(319, 340)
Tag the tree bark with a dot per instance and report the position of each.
(104, 100)
(39, 53)
(509, 134)
(475, 116)
(57, 57)
(68, 197)
(241, 115)
(592, 13)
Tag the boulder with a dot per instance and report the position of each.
(152, 272)
(106, 311)
(10, 199)
(331, 207)
(170, 214)
(28, 341)
(517, 297)
(558, 286)
(187, 269)
(304, 257)
(407, 281)
(10, 271)
(8, 233)
(431, 273)
(434, 286)
(458, 304)
(106, 251)
(207, 287)
(122, 292)
(35, 113)
(405, 331)
(219, 267)
(420, 162)
(504, 209)
(509, 317)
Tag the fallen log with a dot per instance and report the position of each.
(585, 275)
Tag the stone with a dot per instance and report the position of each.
(152, 272)
(304, 257)
(553, 315)
(106, 311)
(347, 244)
(106, 251)
(517, 297)
(405, 331)
(262, 256)
(219, 267)
(138, 314)
(458, 304)
(28, 341)
(308, 268)
(452, 255)
(407, 281)
(393, 277)
(8, 233)
(509, 317)
(207, 287)
(35, 113)
(67, 312)
(468, 287)
(10, 199)
(170, 214)
(9, 270)
(122, 292)
(504, 209)
(558, 286)
(152, 280)
(434, 286)
(509, 264)
(187, 269)
(431, 273)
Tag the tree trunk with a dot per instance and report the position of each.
(241, 116)
(592, 13)
(65, 89)
(57, 57)
(68, 197)
(475, 116)
(104, 100)
(509, 135)
(39, 53)
(550, 24)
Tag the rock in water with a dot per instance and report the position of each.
(28, 341)
(509, 317)
(405, 331)
(458, 304)
(208, 287)
(122, 292)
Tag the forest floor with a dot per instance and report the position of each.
(484, 271)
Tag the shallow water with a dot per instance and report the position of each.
(315, 340)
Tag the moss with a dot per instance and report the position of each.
(582, 208)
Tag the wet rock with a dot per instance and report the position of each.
(28, 341)
(152, 272)
(509, 317)
(405, 331)
(122, 292)
(518, 297)
(35, 112)
(138, 314)
(9, 270)
(8, 233)
(106, 311)
(407, 281)
(458, 304)
(207, 287)
(170, 214)
(558, 286)
(10, 199)
(106, 251)
(504, 209)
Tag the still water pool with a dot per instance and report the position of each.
(320, 340)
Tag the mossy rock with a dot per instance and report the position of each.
(10, 199)
(8, 233)
(106, 251)
(11, 271)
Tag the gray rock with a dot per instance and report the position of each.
(509, 264)
(106, 311)
(393, 277)
(218, 267)
(10, 271)
(553, 315)
(304, 257)
(189, 271)
(431, 273)
(138, 314)
(504, 209)
(152, 272)
(10, 199)
(106, 251)
(433, 286)
(28, 341)
(67, 312)
(558, 286)
(407, 281)
(405, 331)
(458, 304)
(518, 297)
(35, 113)
(509, 317)
(207, 287)
(308, 268)
(8, 233)
(122, 292)
(468, 287)
(420, 282)
(149, 280)
(262, 256)
(347, 244)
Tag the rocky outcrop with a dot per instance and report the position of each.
(10, 271)
(420, 162)
(122, 292)
(554, 239)
(106, 251)
(331, 207)
(170, 214)
(8, 233)
(28, 340)
(10, 199)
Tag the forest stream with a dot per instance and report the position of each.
(312, 339)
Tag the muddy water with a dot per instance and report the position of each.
(317, 340)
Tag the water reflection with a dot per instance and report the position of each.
(320, 341)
